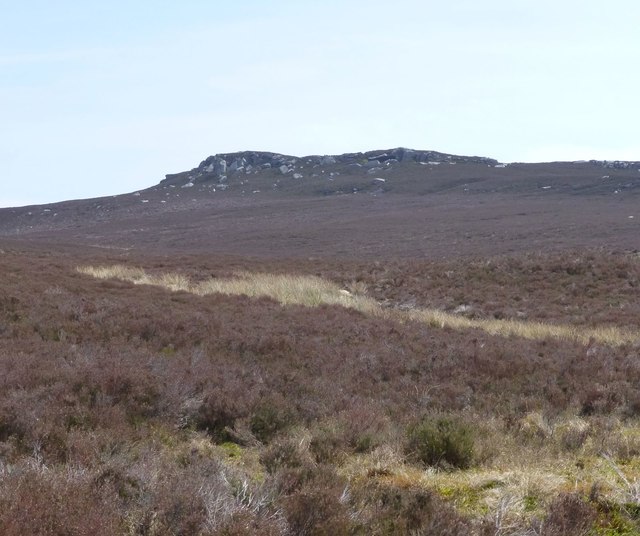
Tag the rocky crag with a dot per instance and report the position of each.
(220, 166)
(400, 170)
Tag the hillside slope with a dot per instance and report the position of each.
(395, 202)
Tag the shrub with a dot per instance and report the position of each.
(569, 515)
(599, 400)
(282, 453)
(441, 441)
(364, 427)
(269, 418)
(318, 506)
(56, 503)
(328, 442)
(9, 424)
(244, 523)
(390, 511)
(217, 416)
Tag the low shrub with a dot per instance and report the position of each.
(9, 424)
(403, 511)
(328, 442)
(319, 506)
(217, 416)
(244, 523)
(56, 503)
(270, 417)
(569, 515)
(441, 441)
(281, 454)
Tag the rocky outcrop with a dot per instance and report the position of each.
(249, 162)
(616, 164)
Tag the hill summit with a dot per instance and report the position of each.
(218, 167)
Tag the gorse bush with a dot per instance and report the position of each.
(441, 441)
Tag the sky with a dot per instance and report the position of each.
(99, 98)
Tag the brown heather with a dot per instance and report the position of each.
(312, 291)
(212, 409)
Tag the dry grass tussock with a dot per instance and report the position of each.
(609, 335)
(305, 290)
(521, 481)
(312, 291)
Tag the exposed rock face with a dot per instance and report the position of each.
(247, 162)
(398, 170)
(617, 164)
(218, 166)
(327, 160)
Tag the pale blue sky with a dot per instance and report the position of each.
(99, 98)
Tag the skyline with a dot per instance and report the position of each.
(106, 99)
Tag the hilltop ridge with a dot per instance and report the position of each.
(218, 169)
(221, 164)
(397, 202)
(398, 170)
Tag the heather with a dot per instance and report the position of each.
(132, 408)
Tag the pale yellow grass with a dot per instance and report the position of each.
(509, 496)
(515, 486)
(312, 291)
(609, 335)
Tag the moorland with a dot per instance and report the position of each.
(452, 350)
